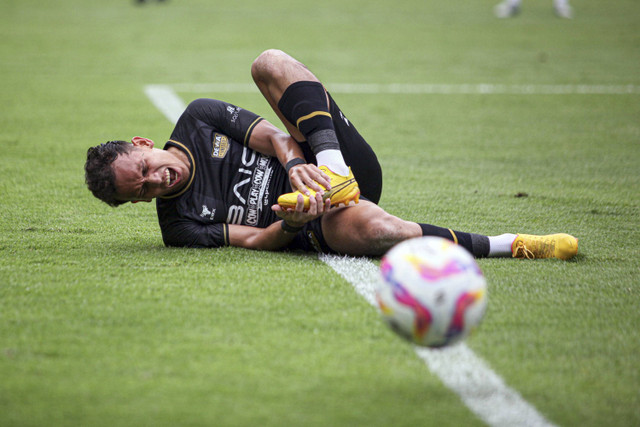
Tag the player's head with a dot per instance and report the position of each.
(119, 172)
(99, 174)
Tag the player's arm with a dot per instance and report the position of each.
(276, 236)
(268, 139)
(252, 130)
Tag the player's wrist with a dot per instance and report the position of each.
(294, 162)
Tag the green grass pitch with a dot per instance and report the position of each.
(101, 325)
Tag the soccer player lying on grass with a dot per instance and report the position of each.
(228, 177)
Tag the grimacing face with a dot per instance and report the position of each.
(146, 172)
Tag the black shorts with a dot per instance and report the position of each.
(364, 165)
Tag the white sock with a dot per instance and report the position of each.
(501, 245)
(334, 161)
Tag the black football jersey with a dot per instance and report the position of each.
(229, 183)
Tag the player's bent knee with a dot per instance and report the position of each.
(266, 63)
(268, 56)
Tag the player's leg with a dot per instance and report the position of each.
(367, 230)
(507, 8)
(358, 154)
(273, 72)
(301, 102)
(563, 9)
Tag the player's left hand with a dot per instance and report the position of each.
(298, 216)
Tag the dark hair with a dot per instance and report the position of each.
(98, 173)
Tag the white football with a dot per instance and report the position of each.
(431, 291)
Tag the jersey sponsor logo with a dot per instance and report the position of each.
(235, 214)
(234, 111)
(257, 175)
(220, 145)
(261, 176)
(206, 213)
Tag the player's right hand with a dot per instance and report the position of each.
(303, 177)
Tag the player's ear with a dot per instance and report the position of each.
(139, 141)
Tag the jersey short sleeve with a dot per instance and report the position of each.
(228, 119)
(196, 235)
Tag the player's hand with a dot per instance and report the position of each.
(298, 216)
(303, 177)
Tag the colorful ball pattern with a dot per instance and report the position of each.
(431, 291)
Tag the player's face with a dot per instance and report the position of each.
(146, 172)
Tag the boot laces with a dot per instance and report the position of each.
(522, 251)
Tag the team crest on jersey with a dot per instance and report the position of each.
(220, 145)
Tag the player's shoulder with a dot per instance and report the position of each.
(201, 110)
(204, 104)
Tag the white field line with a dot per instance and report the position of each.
(428, 89)
(481, 389)
(164, 98)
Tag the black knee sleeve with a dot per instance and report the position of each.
(304, 104)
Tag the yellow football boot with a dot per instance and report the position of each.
(344, 190)
(561, 246)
